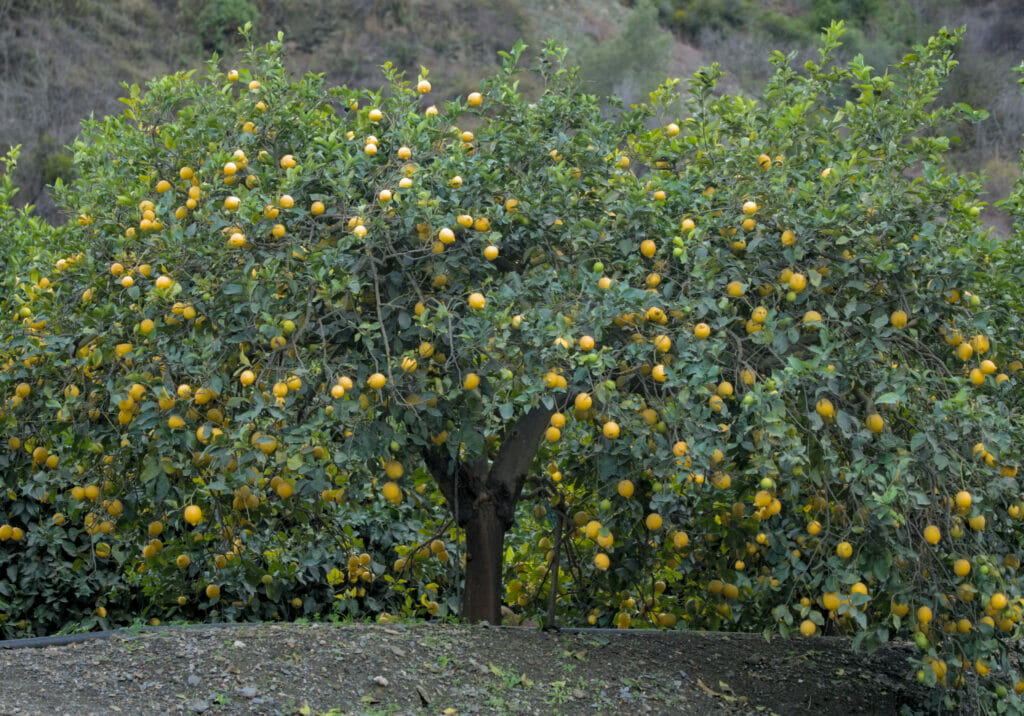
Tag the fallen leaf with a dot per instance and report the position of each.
(711, 692)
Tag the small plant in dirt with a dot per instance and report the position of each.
(309, 350)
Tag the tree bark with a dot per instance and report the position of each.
(485, 546)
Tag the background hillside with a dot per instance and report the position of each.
(61, 60)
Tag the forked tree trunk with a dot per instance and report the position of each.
(482, 495)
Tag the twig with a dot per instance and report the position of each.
(380, 321)
(553, 592)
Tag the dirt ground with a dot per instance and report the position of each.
(434, 668)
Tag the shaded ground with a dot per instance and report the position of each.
(446, 669)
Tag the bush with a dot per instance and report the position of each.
(54, 162)
(698, 16)
(217, 21)
(628, 65)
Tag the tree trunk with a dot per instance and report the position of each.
(482, 494)
(485, 546)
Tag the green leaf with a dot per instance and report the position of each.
(150, 469)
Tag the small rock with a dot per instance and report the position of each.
(238, 644)
(198, 706)
(248, 692)
(193, 680)
(380, 681)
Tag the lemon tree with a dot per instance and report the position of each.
(307, 349)
(283, 307)
(860, 358)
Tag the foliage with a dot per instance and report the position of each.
(1015, 202)
(693, 16)
(746, 333)
(874, 245)
(55, 163)
(7, 193)
(630, 64)
(1005, 261)
(19, 242)
(874, 28)
(7, 187)
(217, 21)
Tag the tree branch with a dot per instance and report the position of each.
(460, 487)
(518, 448)
(464, 484)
